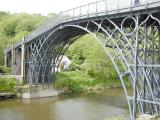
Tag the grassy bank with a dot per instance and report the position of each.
(8, 84)
(5, 70)
(79, 81)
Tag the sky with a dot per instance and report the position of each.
(40, 6)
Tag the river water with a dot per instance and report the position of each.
(103, 104)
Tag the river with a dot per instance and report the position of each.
(97, 106)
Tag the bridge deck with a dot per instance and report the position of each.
(142, 8)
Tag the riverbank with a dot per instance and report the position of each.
(7, 88)
(79, 82)
(66, 82)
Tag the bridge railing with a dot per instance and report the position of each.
(94, 9)
(102, 7)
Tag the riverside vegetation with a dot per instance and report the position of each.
(12, 28)
(8, 84)
(90, 68)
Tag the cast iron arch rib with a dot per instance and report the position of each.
(134, 49)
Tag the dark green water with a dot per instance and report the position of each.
(104, 104)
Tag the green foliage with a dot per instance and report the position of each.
(4, 69)
(7, 84)
(74, 67)
(3, 15)
(71, 81)
(29, 22)
(90, 67)
(88, 55)
(14, 27)
(9, 27)
(75, 81)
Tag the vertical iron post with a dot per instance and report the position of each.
(136, 69)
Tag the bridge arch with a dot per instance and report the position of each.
(129, 47)
(111, 58)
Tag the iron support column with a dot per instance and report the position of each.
(145, 61)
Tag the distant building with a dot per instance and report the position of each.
(63, 62)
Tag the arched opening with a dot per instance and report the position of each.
(90, 66)
(55, 45)
(9, 59)
(18, 61)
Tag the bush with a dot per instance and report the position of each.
(78, 81)
(8, 84)
(74, 67)
(74, 81)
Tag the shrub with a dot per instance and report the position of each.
(8, 84)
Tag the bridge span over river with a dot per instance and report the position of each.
(129, 32)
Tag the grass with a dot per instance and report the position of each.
(7, 84)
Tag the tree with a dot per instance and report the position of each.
(14, 27)
(9, 27)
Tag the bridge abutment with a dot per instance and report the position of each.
(39, 91)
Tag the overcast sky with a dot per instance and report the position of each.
(40, 6)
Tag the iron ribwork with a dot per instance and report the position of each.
(135, 52)
(131, 40)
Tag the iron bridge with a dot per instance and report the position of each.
(129, 32)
